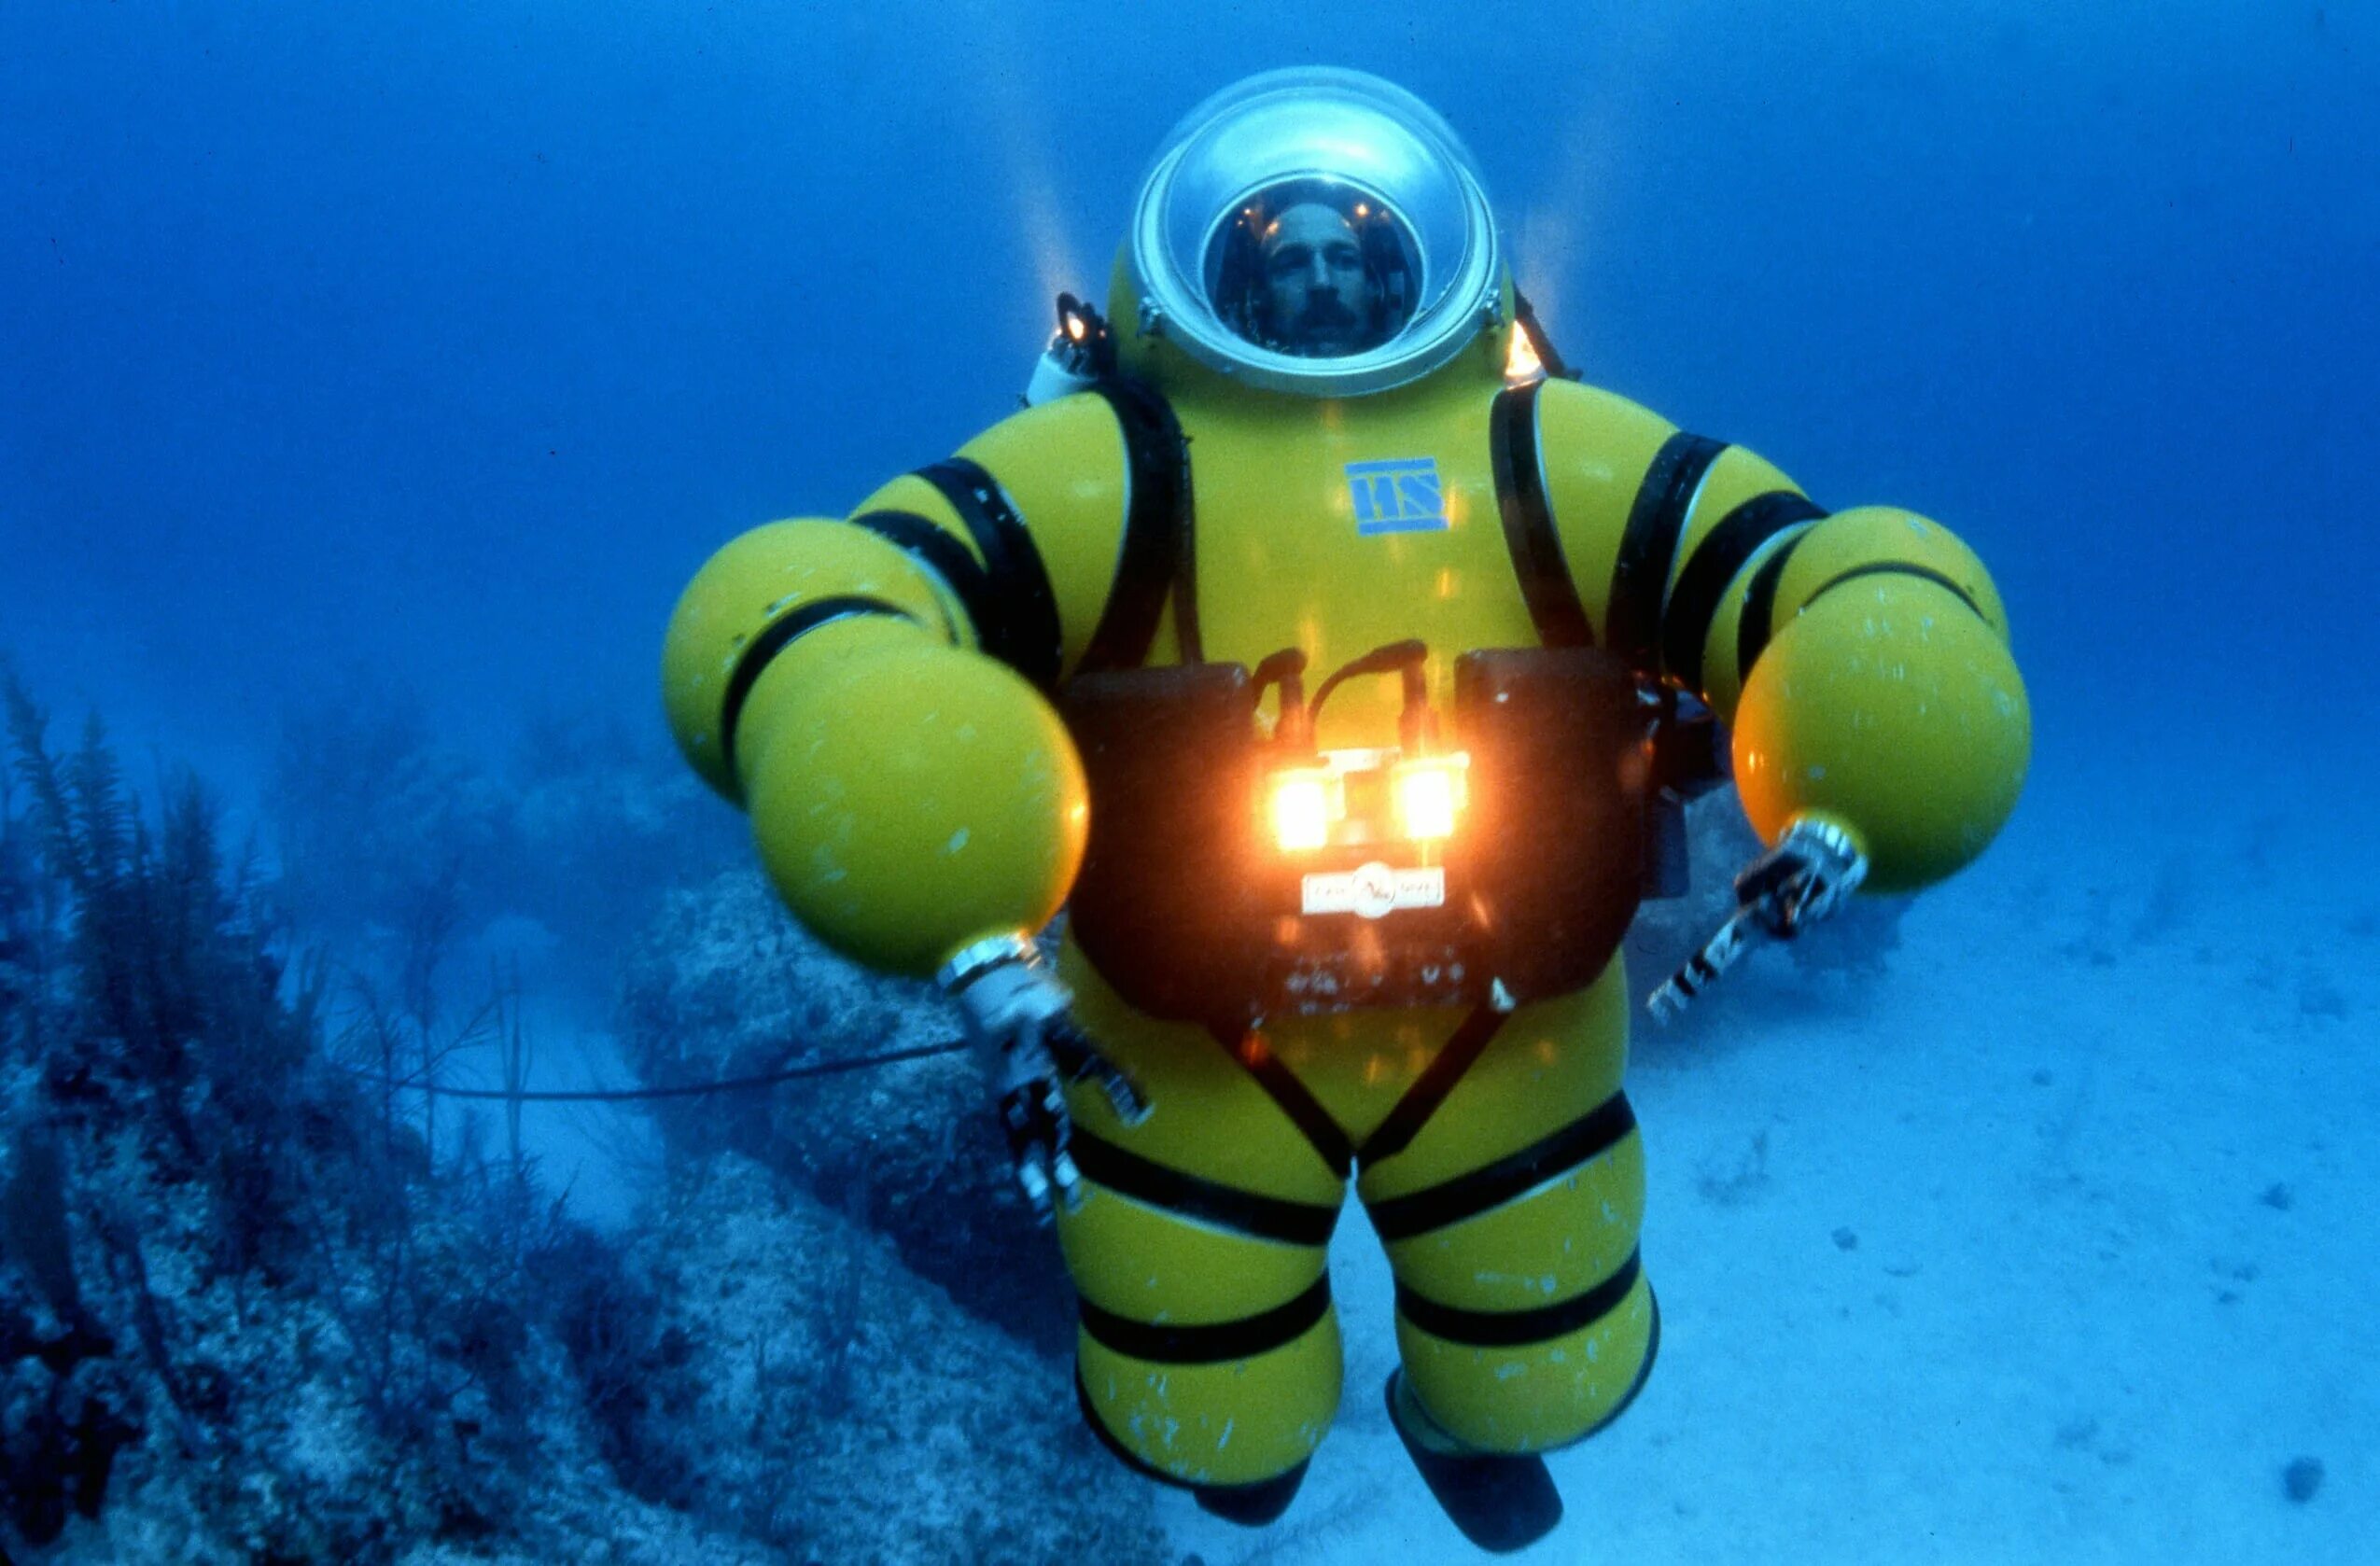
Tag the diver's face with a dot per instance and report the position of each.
(1320, 304)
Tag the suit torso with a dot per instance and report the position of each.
(1337, 527)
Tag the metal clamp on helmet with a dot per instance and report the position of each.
(1315, 230)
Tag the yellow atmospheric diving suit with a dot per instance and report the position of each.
(1374, 931)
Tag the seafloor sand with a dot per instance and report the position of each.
(2054, 1245)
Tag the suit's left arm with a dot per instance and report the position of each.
(1862, 659)
(1862, 663)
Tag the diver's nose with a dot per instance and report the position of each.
(1317, 271)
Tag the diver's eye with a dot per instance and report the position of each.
(1343, 257)
(1288, 260)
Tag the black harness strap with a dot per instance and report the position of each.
(1157, 532)
(1143, 1180)
(1723, 552)
(1512, 1329)
(1281, 1085)
(1215, 1343)
(1648, 546)
(1027, 633)
(779, 634)
(1490, 1185)
(1537, 558)
(1456, 1057)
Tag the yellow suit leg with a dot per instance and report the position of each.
(1511, 1220)
(1209, 1349)
(1509, 1196)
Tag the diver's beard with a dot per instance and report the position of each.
(1327, 332)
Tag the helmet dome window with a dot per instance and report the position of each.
(1314, 231)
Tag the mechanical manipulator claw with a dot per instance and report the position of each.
(1016, 1014)
(1814, 866)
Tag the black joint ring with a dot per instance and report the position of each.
(775, 638)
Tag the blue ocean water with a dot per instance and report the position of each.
(330, 333)
(444, 342)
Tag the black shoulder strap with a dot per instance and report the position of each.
(1157, 554)
(1537, 558)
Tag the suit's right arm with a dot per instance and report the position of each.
(873, 690)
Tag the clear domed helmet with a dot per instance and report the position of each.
(1315, 230)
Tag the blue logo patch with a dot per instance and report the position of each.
(1398, 496)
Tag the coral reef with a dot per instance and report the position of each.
(725, 984)
(253, 1308)
(258, 1302)
(851, 1396)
